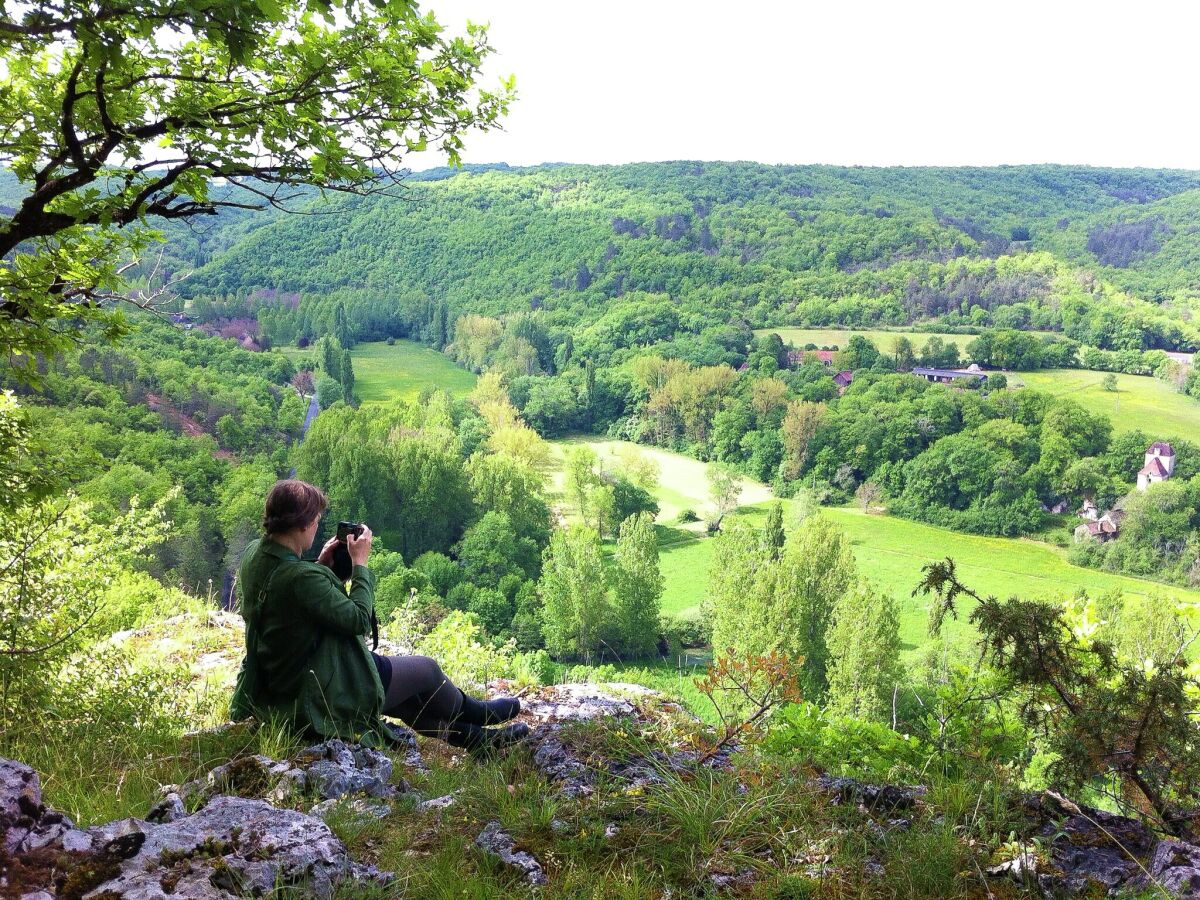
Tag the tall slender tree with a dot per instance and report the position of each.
(638, 585)
(341, 326)
(347, 370)
(331, 360)
(864, 653)
(574, 592)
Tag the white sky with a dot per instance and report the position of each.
(923, 82)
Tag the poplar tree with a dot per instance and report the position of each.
(864, 654)
(638, 585)
(816, 569)
(341, 326)
(773, 536)
(330, 359)
(762, 605)
(576, 604)
(347, 369)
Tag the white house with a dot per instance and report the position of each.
(1160, 463)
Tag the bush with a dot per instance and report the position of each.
(687, 515)
(460, 646)
(846, 746)
(685, 630)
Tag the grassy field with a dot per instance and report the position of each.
(398, 372)
(884, 340)
(1140, 401)
(891, 551)
(683, 483)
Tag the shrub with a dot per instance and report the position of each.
(460, 646)
(687, 515)
(686, 629)
(846, 746)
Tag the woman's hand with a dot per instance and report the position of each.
(359, 547)
(325, 557)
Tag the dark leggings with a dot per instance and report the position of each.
(419, 693)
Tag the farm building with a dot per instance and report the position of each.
(948, 376)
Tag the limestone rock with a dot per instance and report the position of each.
(334, 769)
(559, 764)
(404, 740)
(495, 841)
(437, 803)
(564, 702)
(1176, 866)
(234, 847)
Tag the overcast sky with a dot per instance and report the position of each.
(923, 82)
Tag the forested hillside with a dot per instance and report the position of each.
(1101, 255)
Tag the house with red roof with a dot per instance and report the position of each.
(1160, 465)
(800, 357)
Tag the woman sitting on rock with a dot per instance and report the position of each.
(306, 658)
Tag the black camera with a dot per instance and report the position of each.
(345, 529)
(342, 565)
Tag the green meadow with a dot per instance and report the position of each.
(891, 552)
(397, 372)
(401, 371)
(682, 481)
(1140, 401)
(884, 340)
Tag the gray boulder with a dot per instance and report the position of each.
(26, 824)
(231, 848)
(1176, 866)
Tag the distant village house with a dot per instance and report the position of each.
(800, 357)
(1160, 464)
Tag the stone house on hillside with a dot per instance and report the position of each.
(1105, 528)
(1160, 465)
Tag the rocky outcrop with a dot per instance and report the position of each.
(556, 711)
(256, 824)
(233, 847)
(236, 842)
(326, 771)
(1089, 852)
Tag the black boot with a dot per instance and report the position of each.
(482, 741)
(488, 712)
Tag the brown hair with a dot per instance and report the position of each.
(292, 504)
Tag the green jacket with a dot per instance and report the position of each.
(306, 660)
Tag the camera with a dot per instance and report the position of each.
(342, 565)
(345, 529)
